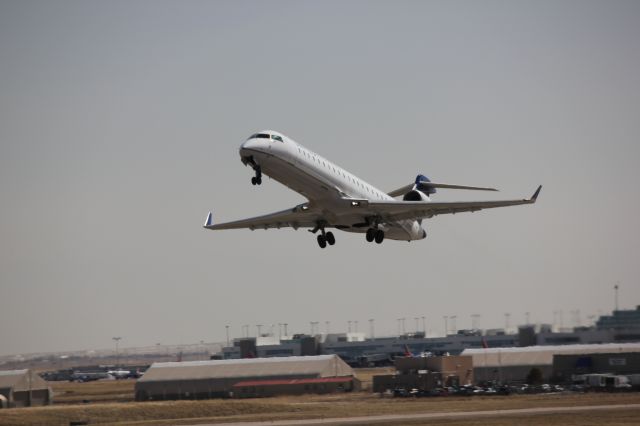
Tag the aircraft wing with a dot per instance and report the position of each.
(297, 217)
(398, 210)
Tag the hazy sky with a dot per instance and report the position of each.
(120, 123)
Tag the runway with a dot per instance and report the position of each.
(430, 416)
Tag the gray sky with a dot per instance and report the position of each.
(120, 124)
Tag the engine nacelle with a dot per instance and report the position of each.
(420, 191)
(419, 233)
(415, 195)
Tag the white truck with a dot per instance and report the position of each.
(607, 381)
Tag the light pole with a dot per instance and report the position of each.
(117, 339)
(227, 329)
(349, 327)
(615, 289)
(417, 327)
(561, 316)
(474, 321)
(424, 326)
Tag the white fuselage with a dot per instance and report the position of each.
(323, 183)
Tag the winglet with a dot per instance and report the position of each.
(209, 220)
(535, 194)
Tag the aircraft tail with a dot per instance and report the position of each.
(423, 186)
(407, 352)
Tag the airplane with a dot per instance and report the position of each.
(340, 200)
(119, 374)
(409, 354)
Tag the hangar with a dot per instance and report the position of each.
(22, 388)
(216, 378)
(508, 365)
(614, 363)
(261, 388)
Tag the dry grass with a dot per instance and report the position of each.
(99, 391)
(298, 407)
(592, 418)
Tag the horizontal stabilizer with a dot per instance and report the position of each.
(403, 190)
(450, 186)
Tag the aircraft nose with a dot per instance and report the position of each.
(250, 144)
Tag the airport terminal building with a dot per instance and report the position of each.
(245, 377)
(623, 326)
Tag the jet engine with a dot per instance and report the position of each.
(420, 191)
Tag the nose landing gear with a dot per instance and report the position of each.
(257, 179)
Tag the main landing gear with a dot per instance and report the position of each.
(257, 179)
(324, 238)
(375, 234)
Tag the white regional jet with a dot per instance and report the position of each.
(338, 199)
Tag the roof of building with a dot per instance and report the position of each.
(10, 378)
(21, 380)
(540, 355)
(293, 381)
(320, 366)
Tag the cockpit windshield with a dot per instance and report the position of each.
(260, 136)
(266, 136)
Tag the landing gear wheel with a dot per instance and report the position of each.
(379, 236)
(257, 179)
(371, 234)
(322, 242)
(330, 238)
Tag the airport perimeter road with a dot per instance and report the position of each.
(431, 416)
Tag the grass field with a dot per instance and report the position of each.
(609, 418)
(111, 402)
